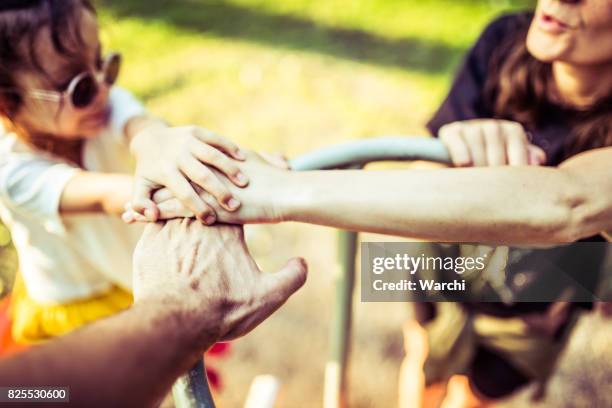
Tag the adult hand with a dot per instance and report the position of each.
(208, 278)
(489, 142)
(263, 201)
(174, 157)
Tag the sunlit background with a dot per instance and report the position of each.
(291, 76)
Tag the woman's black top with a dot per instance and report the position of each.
(466, 100)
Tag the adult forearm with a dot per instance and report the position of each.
(130, 359)
(505, 204)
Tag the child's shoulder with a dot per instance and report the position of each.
(124, 106)
(10, 143)
(13, 149)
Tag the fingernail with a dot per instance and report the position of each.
(209, 220)
(233, 204)
(239, 155)
(241, 178)
(302, 261)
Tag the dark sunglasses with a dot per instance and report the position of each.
(83, 88)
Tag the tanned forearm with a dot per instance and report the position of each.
(520, 205)
(131, 359)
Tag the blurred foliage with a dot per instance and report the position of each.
(261, 71)
(289, 75)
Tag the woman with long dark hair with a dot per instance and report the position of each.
(529, 122)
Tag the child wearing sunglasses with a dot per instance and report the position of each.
(69, 142)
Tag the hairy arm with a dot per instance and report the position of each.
(186, 300)
(130, 359)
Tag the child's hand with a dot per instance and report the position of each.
(167, 205)
(174, 157)
(166, 210)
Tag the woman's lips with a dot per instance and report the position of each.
(551, 24)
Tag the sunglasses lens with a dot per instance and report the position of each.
(111, 69)
(85, 91)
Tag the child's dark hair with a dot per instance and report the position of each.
(21, 21)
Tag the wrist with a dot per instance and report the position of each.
(142, 133)
(296, 195)
(117, 192)
(178, 326)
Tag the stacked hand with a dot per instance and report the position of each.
(261, 200)
(182, 159)
(208, 279)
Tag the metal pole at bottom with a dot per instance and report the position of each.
(191, 390)
(334, 393)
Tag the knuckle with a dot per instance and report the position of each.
(204, 153)
(231, 169)
(184, 196)
(210, 135)
(224, 195)
(202, 214)
(490, 125)
(203, 178)
(168, 168)
(461, 161)
(514, 127)
(449, 132)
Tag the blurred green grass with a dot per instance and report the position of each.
(291, 75)
(255, 69)
(294, 75)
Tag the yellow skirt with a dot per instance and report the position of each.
(34, 322)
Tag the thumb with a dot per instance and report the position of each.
(173, 209)
(284, 283)
(274, 290)
(536, 155)
(141, 199)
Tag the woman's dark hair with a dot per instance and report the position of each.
(21, 21)
(521, 88)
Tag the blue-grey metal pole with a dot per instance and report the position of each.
(335, 387)
(359, 153)
(355, 155)
(192, 390)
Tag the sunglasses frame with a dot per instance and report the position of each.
(66, 97)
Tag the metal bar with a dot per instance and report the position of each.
(335, 386)
(356, 155)
(361, 152)
(191, 390)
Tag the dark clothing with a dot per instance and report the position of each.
(490, 372)
(466, 98)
